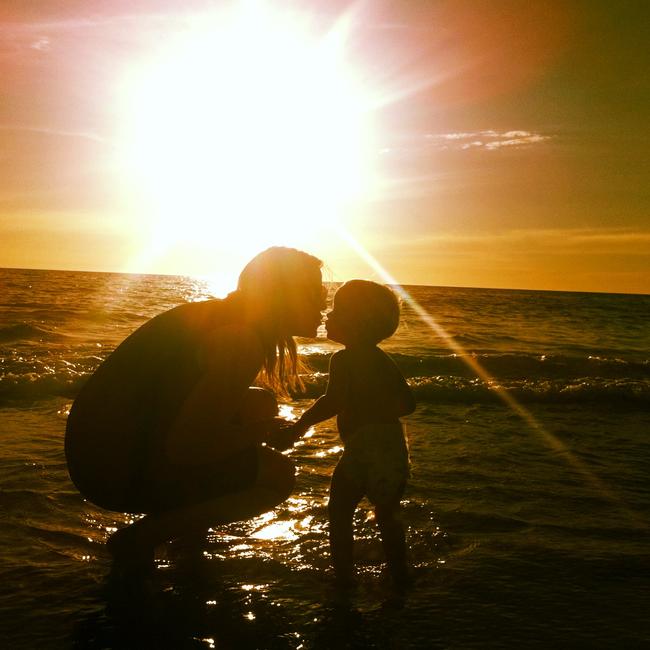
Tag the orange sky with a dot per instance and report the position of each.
(468, 143)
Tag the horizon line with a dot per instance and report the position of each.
(436, 286)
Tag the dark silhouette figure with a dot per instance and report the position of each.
(369, 394)
(169, 425)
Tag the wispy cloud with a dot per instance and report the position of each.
(489, 140)
(47, 36)
(72, 24)
(559, 241)
(61, 133)
(459, 141)
(42, 44)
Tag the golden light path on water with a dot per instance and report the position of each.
(502, 393)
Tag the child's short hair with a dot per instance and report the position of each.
(375, 306)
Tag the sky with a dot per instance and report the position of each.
(482, 143)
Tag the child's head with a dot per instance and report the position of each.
(363, 311)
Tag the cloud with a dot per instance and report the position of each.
(556, 241)
(45, 36)
(42, 44)
(61, 133)
(488, 140)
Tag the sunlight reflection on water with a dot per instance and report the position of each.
(326, 452)
(488, 547)
(286, 411)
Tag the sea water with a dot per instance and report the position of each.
(527, 513)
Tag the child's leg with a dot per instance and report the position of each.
(389, 520)
(344, 499)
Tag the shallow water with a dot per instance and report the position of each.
(520, 534)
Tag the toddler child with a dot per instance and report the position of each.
(368, 394)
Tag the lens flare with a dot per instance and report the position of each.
(551, 440)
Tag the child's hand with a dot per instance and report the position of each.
(282, 434)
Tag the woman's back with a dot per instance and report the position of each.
(122, 412)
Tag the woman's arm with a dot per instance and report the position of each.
(203, 429)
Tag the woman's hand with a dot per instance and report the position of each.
(282, 434)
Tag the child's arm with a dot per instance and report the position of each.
(323, 408)
(405, 401)
(330, 404)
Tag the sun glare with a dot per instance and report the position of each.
(247, 129)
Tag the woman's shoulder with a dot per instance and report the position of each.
(175, 332)
(204, 320)
(231, 339)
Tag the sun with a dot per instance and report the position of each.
(248, 128)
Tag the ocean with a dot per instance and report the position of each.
(527, 513)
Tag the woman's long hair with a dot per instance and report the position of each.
(271, 280)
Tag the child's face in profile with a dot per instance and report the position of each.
(342, 323)
(364, 313)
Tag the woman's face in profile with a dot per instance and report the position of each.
(304, 307)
